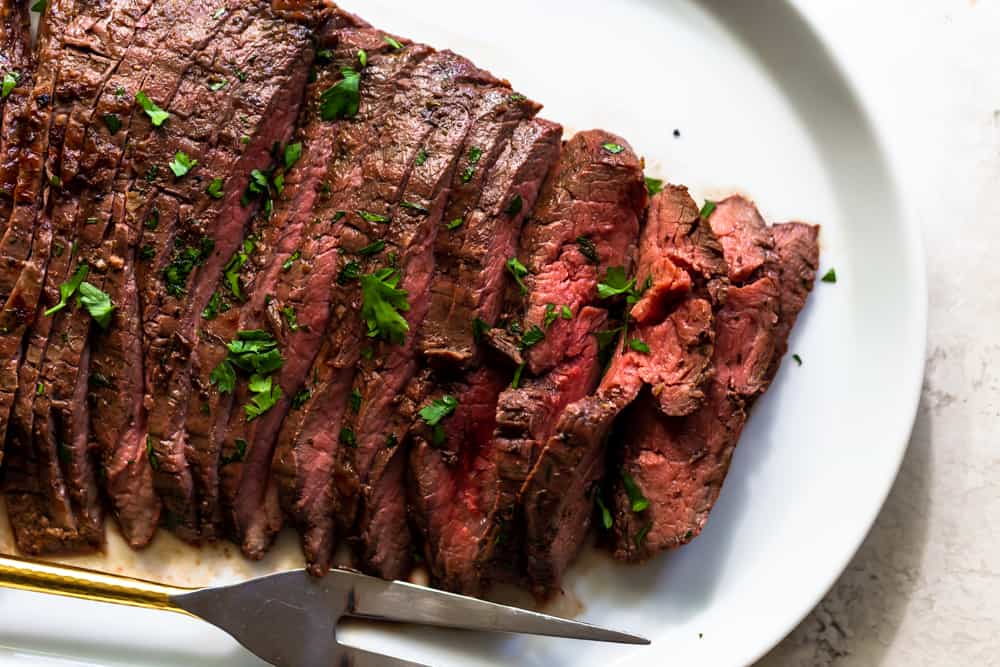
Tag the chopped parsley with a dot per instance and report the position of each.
(372, 248)
(392, 42)
(291, 319)
(157, 116)
(532, 336)
(214, 189)
(265, 395)
(438, 409)
(381, 304)
(515, 206)
(10, 81)
(474, 156)
(588, 249)
(216, 86)
(454, 224)
(351, 271)
(97, 303)
(373, 217)
(830, 276)
(707, 209)
(343, 99)
(516, 381)
(614, 149)
(362, 57)
(638, 501)
(147, 252)
(519, 271)
(414, 207)
(212, 309)
(550, 315)
(348, 438)
(292, 154)
(421, 158)
(231, 272)
(615, 282)
(638, 346)
(641, 535)
(286, 266)
(797, 358)
(154, 462)
(566, 313)
(39, 6)
(239, 452)
(182, 164)
(68, 289)
(185, 260)
(606, 520)
(113, 122)
(355, 400)
(479, 327)
(219, 13)
(40, 389)
(301, 398)
(654, 186)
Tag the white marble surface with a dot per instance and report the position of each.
(925, 587)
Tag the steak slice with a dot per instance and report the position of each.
(678, 465)
(586, 221)
(526, 417)
(470, 276)
(797, 245)
(453, 471)
(480, 106)
(681, 272)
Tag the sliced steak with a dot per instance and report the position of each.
(797, 245)
(245, 64)
(453, 468)
(586, 221)
(310, 468)
(681, 274)
(480, 106)
(51, 483)
(526, 417)
(677, 466)
(470, 256)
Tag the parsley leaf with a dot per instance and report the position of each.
(292, 154)
(606, 520)
(519, 271)
(392, 42)
(640, 537)
(421, 158)
(348, 437)
(351, 271)
(291, 318)
(10, 81)
(156, 115)
(707, 209)
(182, 164)
(216, 86)
(615, 282)
(239, 452)
(372, 248)
(286, 266)
(214, 189)
(113, 122)
(638, 346)
(265, 396)
(363, 57)
(438, 409)
(355, 400)
(97, 303)
(301, 398)
(343, 99)
(797, 358)
(588, 249)
(638, 501)
(231, 271)
(515, 206)
(830, 276)
(614, 149)
(68, 289)
(566, 313)
(39, 6)
(654, 186)
(454, 224)
(516, 380)
(224, 377)
(479, 327)
(474, 156)
(414, 207)
(373, 217)
(550, 315)
(381, 304)
(532, 336)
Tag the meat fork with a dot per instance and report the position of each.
(289, 619)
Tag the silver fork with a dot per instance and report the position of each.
(289, 619)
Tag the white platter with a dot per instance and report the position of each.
(762, 108)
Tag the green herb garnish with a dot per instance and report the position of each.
(707, 209)
(214, 189)
(519, 271)
(638, 501)
(653, 186)
(614, 149)
(343, 99)
(156, 115)
(182, 164)
(639, 346)
(438, 409)
(382, 302)
(97, 303)
(830, 276)
(588, 249)
(615, 282)
(68, 289)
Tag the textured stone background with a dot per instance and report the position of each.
(925, 587)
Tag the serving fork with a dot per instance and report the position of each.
(289, 619)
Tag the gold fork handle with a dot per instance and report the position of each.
(41, 577)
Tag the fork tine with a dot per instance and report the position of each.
(349, 656)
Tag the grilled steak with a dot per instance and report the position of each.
(503, 159)
(681, 274)
(677, 465)
(797, 245)
(17, 70)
